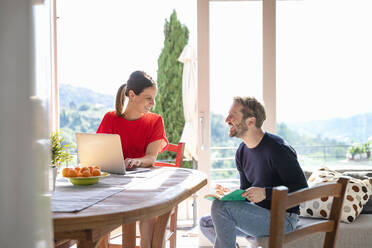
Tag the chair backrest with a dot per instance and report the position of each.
(178, 149)
(281, 201)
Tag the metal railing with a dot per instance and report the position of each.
(325, 152)
(223, 159)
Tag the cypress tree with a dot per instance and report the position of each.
(169, 78)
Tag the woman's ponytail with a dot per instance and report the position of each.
(120, 99)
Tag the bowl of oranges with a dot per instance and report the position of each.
(84, 175)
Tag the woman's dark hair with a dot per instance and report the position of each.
(138, 81)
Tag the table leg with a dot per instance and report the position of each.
(87, 244)
(159, 230)
(104, 241)
(129, 235)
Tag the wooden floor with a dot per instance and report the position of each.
(187, 239)
(190, 239)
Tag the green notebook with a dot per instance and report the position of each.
(233, 196)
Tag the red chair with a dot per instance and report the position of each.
(172, 235)
(178, 149)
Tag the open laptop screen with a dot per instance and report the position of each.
(101, 149)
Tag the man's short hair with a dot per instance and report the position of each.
(252, 108)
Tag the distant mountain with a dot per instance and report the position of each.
(77, 96)
(357, 128)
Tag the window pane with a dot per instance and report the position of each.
(100, 43)
(235, 70)
(323, 78)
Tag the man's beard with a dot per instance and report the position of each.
(239, 130)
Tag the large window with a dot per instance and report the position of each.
(324, 80)
(99, 43)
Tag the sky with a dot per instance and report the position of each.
(323, 50)
(100, 42)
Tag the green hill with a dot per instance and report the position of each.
(83, 109)
(355, 128)
(74, 95)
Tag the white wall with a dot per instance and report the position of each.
(25, 218)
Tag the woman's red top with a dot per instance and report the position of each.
(135, 135)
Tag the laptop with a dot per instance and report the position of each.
(103, 150)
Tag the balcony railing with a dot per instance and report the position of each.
(223, 168)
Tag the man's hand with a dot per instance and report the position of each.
(132, 162)
(255, 194)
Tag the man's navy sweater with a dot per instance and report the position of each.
(273, 162)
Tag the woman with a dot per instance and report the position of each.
(141, 132)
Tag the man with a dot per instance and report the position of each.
(264, 161)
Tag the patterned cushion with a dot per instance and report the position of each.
(357, 194)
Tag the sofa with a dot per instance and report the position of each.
(355, 235)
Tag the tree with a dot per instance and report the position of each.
(169, 77)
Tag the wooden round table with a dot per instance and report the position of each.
(153, 197)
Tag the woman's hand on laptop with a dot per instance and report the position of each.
(132, 163)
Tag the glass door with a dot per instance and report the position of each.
(235, 70)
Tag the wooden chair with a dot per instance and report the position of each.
(281, 201)
(172, 236)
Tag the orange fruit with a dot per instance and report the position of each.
(96, 167)
(77, 169)
(96, 172)
(84, 169)
(85, 173)
(72, 173)
(90, 169)
(65, 172)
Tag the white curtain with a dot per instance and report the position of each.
(189, 99)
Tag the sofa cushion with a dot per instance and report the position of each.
(357, 234)
(307, 173)
(367, 208)
(357, 194)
